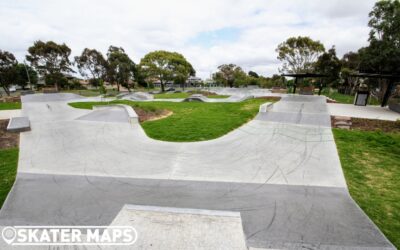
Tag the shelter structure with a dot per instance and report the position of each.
(303, 76)
(392, 78)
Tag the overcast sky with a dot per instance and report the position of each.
(207, 32)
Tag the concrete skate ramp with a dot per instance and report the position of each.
(202, 98)
(283, 177)
(244, 91)
(111, 114)
(137, 96)
(273, 216)
(301, 110)
(209, 229)
(56, 97)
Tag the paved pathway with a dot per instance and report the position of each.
(368, 112)
(281, 171)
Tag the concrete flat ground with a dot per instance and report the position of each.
(281, 171)
(367, 112)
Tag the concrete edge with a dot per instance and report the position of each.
(133, 118)
(21, 129)
(176, 210)
(265, 107)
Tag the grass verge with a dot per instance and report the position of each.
(347, 99)
(371, 164)
(193, 121)
(10, 105)
(8, 170)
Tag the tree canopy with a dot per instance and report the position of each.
(25, 74)
(92, 64)
(7, 70)
(50, 58)
(329, 64)
(383, 53)
(299, 54)
(166, 66)
(230, 75)
(120, 67)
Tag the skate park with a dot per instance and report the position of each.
(280, 173)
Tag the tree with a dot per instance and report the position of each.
(383, 53)
(120, 67)
(299, 54)
(7, 70)
(350, 65)
(230, 75)
(253, 74)
(92, 64)
(165, 67)
(50, 59)
(25, 74)
(328, 64)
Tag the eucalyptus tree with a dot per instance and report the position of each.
(120, 68)
(7, 70)
(92, 64)
(230, 75)
(165, 67)
(50, 59)
(299, 54)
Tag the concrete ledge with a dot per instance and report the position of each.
(177, 228)
(133, 118)
(183, 210)
(19, 124)
(265, 107)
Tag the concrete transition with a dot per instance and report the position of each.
(202, 98)
(280, 172)
(136, 96)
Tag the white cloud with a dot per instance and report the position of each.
(143, 26)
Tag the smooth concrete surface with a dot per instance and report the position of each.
(368, 112)
(7, 114)
(19, 124)
(232, 98)
(283, 176)
(190, 228)
(110, 114)
(137, 96)
(273, 216)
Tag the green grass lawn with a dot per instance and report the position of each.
(10, 105)
(193, 121)
(90, 92)
(371, 164)
(347, 99)
(8, 170)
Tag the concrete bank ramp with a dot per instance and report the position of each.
(107, 114)
(55, 97)
(202, 98)
(180, 228)
(300, 110)
(137, 96)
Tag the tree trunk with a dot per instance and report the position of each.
(6, 90)
(118, 86)
(162, 86)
